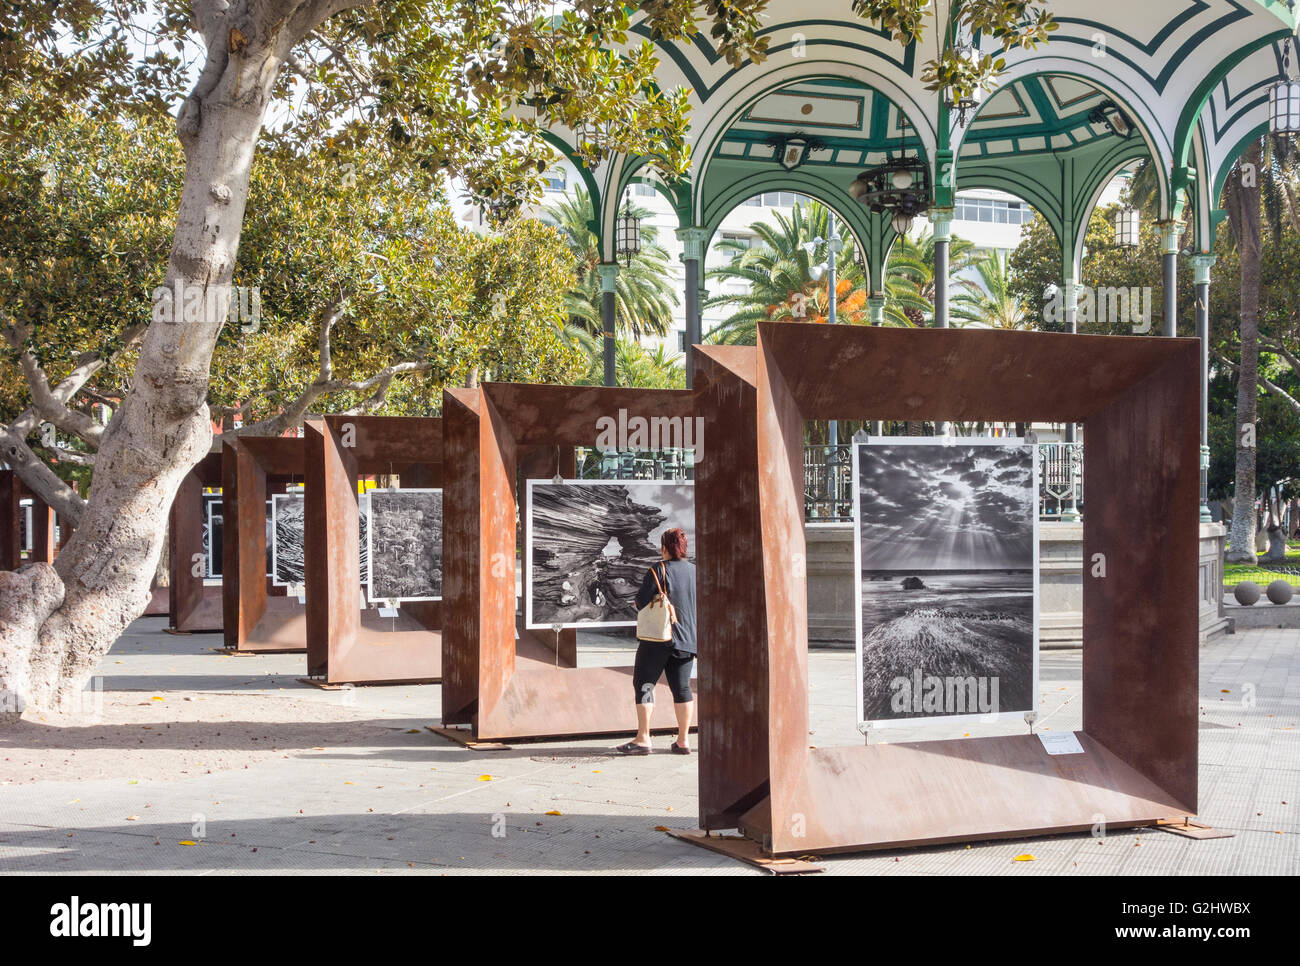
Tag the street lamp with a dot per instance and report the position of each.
(627, 235)
(1127, 225)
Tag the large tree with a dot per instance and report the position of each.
(364, 296)
(462, 85)
(1242, 200)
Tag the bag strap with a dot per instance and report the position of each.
(659, 585)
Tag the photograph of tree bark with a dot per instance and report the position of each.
(946, 547)
(405, 552)
(288, 553)
(590, 542)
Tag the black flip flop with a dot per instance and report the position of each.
(679, 750)
(632, 748)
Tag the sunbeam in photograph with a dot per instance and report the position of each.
(946, 545)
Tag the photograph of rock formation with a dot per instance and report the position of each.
(405, 554)
(947, 583)
(590, 542)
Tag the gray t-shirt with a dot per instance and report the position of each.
(681, 591)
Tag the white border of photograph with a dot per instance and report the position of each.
(370, 543)
(209, 501)
(1002, 716)
(28, 541)
(276, 499)
(270, 542)
(527, 583)
(363, 511)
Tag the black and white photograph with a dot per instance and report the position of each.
(590, 542)
(946, 553)
(213, 520)
(288, 553)
(363, 527)
(405, 545)
(26, 527)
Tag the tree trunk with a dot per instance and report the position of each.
(1276, 552)
(57, 623)
(1244, 209)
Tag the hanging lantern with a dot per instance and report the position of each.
(1284, 106)
(902, 222)
(627, 235)
(1284, 95)
(1128, 222)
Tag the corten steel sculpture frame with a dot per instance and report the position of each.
(12, 492)
(257, 616)
(1137, 399)
(344, 643)
(500, 690)
(192, 604)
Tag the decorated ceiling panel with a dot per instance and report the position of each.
(844, 85)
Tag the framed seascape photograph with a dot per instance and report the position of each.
(589, 543)
(945, 579)
(213, 520)
(288, 553)
(404, 545)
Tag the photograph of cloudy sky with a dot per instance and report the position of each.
(946, 540)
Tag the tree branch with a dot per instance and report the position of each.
(1277, 348)
(40, 479)
(1268, 387)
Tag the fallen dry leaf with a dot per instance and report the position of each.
(1026, 857)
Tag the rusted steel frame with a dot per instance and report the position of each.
(1135, 398)
(192, 606)
(342, 644)
(501, 689)
(251, 467)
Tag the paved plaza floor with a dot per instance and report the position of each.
(193, 762)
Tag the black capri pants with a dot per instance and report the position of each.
(654, 659)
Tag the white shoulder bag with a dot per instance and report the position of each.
(654, 621)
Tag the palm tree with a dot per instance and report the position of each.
(784, 278)
(634, 364)
(988, 302)
(644, 293)
(909, 277)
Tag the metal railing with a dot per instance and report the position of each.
(669, 464)
(828, 483)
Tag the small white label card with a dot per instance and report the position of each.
(1060, 743)
(388, 612)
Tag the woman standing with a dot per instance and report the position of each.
(675, 578)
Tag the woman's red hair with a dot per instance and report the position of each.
(674, 541)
